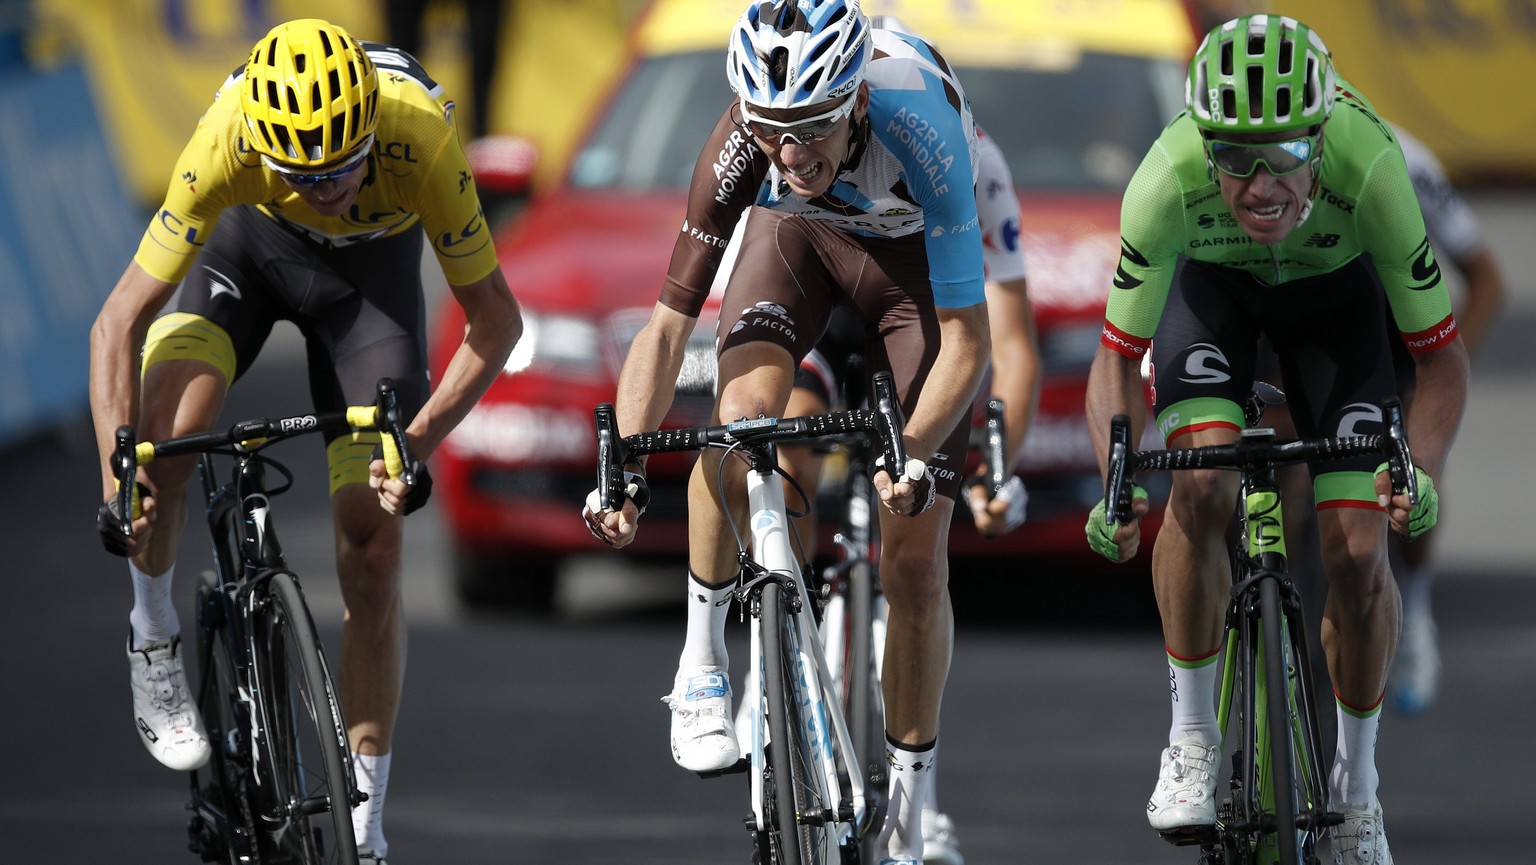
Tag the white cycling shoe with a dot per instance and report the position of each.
(1362, 838)
(163, 711)
(1185, 796)
(940, 845)
(703, 737)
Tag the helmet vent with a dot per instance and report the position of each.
(1310, 95)
(778, 67)
(809, 84)
(1287, 58)
(1255, 87)
(1227, 49)
(790, 19)
(316, 101)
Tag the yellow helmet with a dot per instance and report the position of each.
(310, 95)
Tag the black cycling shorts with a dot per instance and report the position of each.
(361, 309)
(1331, 337)
(792, 272)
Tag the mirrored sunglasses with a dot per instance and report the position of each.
(802, 131)
(1279, 157)
(302, 178)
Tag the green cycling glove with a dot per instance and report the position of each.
(1427, 512)
(1101, 534)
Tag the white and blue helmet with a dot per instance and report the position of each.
(819, 48)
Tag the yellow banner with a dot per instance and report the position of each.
(154, 65)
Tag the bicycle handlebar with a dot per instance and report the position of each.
(251, 435)
(885, 421)
(1250, 453)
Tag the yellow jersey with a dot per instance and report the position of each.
(417, 173)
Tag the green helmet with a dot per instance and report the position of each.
(1260, 73)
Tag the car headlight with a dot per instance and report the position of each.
(561, 344)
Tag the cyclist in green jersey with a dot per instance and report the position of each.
(1276, 205)
(312, 210)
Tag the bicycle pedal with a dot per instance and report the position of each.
(735, 768)
(1188, 836)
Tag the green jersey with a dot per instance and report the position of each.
(1364, 204)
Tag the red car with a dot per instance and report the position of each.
(1074, 101)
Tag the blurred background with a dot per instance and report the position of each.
(102, 95)
(547, 755)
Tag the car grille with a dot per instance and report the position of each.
(668, 497)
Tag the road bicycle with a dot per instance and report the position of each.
(279, 787)
(1276, 809)
(854, 614)
(809, 799)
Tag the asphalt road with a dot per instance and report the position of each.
(530, 740)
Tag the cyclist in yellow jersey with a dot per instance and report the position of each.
(304, 195)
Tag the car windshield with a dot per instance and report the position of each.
(1083, 128)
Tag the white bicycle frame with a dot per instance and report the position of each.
(814, 688)
(835, 636)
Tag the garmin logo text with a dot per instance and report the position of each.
(1219, 241)
(921, 138)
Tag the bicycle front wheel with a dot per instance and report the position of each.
(1281, 774)
(804, 818)
(306, 812)
(220, 829)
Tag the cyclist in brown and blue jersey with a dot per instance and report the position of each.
(852, 152)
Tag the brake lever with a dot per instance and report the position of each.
(1117, 491)
(1395, 447)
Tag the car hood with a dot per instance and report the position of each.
(584, 251)
(588, 251)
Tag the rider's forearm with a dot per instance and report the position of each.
(949, 390)
(117, 338)
(1114, 387)
(1015, 364)
(492, 326)
(1483, 298)
(649, 375)
(1439, 400)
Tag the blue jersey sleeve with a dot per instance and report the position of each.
(929, 137)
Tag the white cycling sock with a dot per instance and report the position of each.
(1192, 693)
(1353, 778)
(368, 818)
(704, 644)
(911, 771)
(929, 780)
(153, 618)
